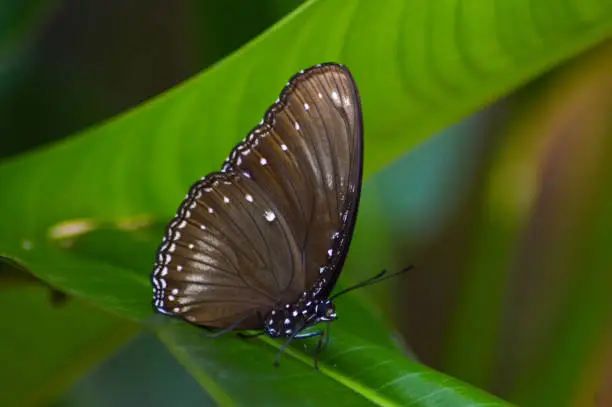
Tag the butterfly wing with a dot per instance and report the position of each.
(221, 254)
(278, 217)
(311, 141)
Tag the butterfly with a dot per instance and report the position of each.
(260, 244)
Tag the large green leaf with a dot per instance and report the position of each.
(354, 372)
(420, 66)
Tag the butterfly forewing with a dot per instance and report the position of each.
(280, 215)
(317, 128)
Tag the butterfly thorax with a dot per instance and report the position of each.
(288, 319)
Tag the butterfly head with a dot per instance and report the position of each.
(325, 311)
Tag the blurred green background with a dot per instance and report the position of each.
(492, 174)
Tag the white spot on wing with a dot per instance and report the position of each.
(269, 215)
(263, 161)
(226, 199)
(329, 179)
(297, 126)
(210, 210)
(284, 147)
(306, 106)
(335, 97)
(249, 197)
(179, 268)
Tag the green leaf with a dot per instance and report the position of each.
(354, 372)
(43, 353)
(68, 210)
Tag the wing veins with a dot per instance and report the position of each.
(316, 150)
(332, 150)
(268, 267)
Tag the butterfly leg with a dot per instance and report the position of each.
(326, 337)
(297, 335)
(251, 335)
(321, 346)
(320, 334)
(225, 330)
(308, 335)
(282, 349)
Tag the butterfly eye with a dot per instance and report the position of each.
(330, 312)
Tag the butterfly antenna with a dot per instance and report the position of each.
(372, 280)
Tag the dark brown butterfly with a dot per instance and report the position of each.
(261, 244)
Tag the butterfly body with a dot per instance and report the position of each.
(289, 319)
